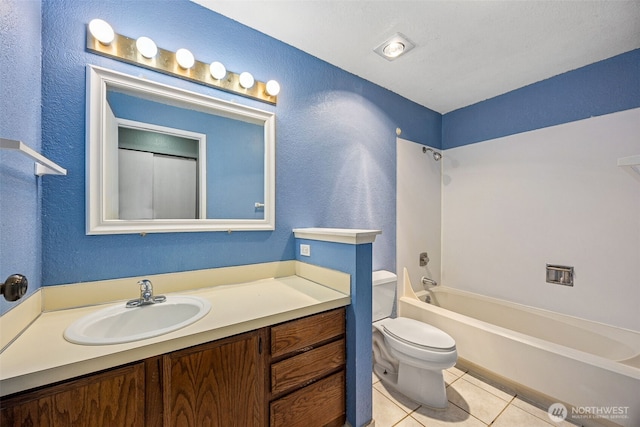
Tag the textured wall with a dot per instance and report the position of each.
(335, 153)
(20, 231)
(600, 88)
(355, 260)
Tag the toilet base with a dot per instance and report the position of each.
(386, 376)
(423, 386)
(420, 385)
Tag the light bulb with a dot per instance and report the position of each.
(101, 31)
(185, 58)
(146, 47)
(217, 70)
(246, 80)
(273, 87)
(393, 49)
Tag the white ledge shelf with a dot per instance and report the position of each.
(632, 162)
(337, 235)
(44, 166)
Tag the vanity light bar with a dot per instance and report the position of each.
(124, 49)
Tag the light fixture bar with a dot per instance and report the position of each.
(124, 49)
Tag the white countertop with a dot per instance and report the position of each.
(41, 355)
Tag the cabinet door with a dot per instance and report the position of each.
(114, 398)
(216, 384)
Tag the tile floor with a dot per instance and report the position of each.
(473, 402)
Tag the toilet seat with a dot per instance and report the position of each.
(419, 334)
(421, 342)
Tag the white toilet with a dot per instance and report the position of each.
(408, 355)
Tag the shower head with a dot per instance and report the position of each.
(436, 156)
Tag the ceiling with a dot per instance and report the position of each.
(466, 51)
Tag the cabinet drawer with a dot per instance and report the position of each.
(298, 370)
(299, 334)
(319, 404)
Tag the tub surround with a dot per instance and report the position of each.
(542, 197)
(243, 298)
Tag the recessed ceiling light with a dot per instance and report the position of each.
(393, 49)
(394, 46)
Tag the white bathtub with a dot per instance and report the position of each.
(590, 367)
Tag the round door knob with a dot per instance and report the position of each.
(14, 287)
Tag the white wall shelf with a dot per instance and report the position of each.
(631, 161)
(351, 236)
(43, 166)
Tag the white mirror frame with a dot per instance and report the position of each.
(98, 80)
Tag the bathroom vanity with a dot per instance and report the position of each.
(280, 364)
(287, 375)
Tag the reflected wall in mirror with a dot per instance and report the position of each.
(162, 159)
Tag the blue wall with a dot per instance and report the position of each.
(597, 89)
(20, 197)
(355, 260)
(335, 152)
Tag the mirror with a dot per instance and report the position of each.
(163, 159)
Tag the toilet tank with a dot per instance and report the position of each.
(383, 293)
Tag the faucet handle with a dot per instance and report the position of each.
(146, 289)
(145, 285)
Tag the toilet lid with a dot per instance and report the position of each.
(419, 334)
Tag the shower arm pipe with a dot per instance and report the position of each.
(436, 155)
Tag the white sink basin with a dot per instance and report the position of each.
(118, 324)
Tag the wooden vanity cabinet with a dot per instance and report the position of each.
(290, 375)
(307, 371)
(216, 384)
(112, 398)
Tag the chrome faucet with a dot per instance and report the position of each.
(426, 281)
(146, 295)
(146, 290)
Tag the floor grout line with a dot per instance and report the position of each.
(408, 413)
(501, 412)
(470, 414)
